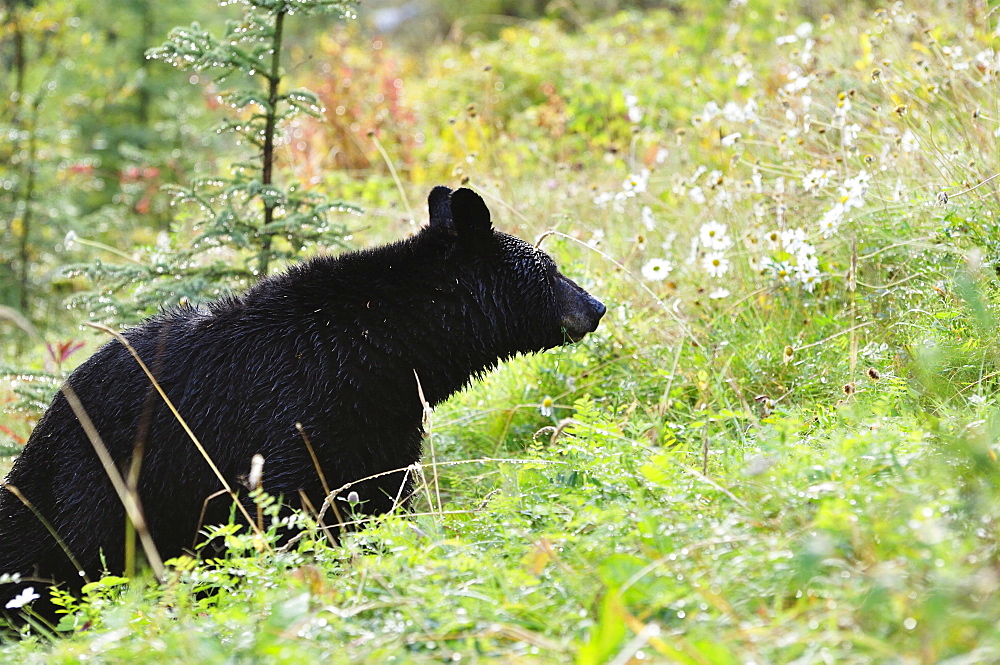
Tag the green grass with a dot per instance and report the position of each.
(791, 471)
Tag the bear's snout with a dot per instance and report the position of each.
(581, 312)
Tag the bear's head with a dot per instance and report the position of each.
(518, 286)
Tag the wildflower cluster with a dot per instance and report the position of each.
(791, 258)
(852, 195)
(633, 185)
(713, 241)
(773, 181)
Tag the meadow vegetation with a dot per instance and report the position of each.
(779, 447)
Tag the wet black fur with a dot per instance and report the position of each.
(332, 344)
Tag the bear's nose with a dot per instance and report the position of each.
(599, 308)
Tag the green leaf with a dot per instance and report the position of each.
(607, 636)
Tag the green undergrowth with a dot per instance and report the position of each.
(779, 446)
(850, 535)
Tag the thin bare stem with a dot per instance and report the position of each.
(180, 419)
(312, 455)
(428, 412)
(973, 188)
(48, 527)
(109, 249)
(395, 176)
(129, 499)
(836, 334)
(319, 471)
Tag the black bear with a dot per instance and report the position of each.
(332, 351)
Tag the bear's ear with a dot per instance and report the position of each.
(472, 217)
(439, 207)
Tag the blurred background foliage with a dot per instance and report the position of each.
(93, 129)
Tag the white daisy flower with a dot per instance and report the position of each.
(710, 111)
(792, 239)
(852, 194)
(772, 238)
(715, 264)
(636, 183)
(816, 179)
(783, 270)
(713, 236)
(806, 264)
(808, 274)
(546, 407)
(603, 199)
(733, 112)
(831, 220)
(656, 270)
(850, 134)
(805, 250)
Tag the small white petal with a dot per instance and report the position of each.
(23, 598)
